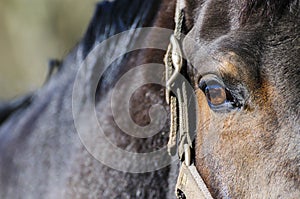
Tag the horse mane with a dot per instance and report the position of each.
(113, 17)
(109, 18)
(271, 9)
(50, 110)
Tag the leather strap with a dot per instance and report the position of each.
(189, 183)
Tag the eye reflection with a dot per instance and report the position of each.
(219, 98)
(215, 94)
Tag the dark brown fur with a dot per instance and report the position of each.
(251, 152)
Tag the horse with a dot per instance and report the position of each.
(241, 62)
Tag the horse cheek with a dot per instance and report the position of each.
(203, 135)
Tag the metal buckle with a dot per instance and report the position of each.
(173, 58)
(178, 103)
(173, 63)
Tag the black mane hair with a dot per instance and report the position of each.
(111, 18)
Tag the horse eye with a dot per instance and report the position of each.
(218, 97)
(215, 94)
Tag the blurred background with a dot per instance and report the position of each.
(31, 33)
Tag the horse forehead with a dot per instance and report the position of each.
(216, 18)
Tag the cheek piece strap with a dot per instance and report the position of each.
(182, 104)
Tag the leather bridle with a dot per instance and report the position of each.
(189, 182)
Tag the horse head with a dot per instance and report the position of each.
(243, 61)
(240, 66)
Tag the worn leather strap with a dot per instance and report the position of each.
(189, 183)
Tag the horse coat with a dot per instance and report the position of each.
(257, 43)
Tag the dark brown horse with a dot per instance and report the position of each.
(242, 61)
